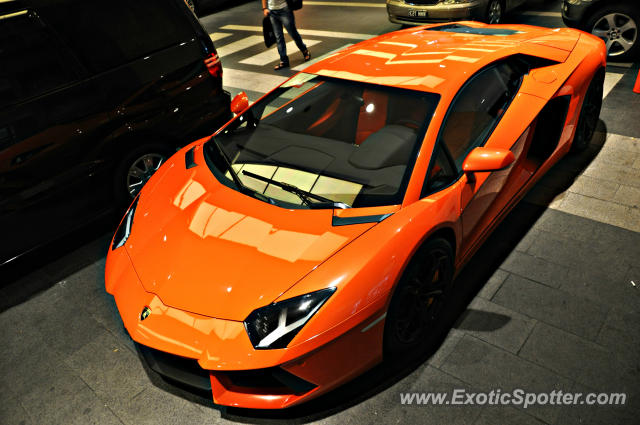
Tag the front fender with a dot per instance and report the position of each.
(366, 271)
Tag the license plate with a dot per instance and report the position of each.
(418, 13)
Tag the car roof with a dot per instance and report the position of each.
(440, 58)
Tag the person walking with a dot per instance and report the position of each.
(281, 15)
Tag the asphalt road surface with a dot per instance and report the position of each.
(550, 302)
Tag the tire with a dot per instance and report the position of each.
(417, 301)
(589, 113)
(622, 44)
(144, 160)
(495, 12)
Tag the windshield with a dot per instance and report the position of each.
(324, 140)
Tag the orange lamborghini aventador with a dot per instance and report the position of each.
(319, 230)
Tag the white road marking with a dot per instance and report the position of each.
(254, 81)
(343, 3)
(312, 33)
(610, 80)
(215, 36)
(236, 46)
(318, 59)
(538, 13)
(272, 55)
(620, 64)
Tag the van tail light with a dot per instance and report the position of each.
(213, 64)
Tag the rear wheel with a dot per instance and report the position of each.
(618, 27)
(417, 302)
(589, 114)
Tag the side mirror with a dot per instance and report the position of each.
(487, 159)
(239, 103)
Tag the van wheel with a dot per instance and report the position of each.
(136, 169)
(417, 302)
(618, 26)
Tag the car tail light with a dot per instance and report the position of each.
(213, 65)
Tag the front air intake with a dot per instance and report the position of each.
(189, 160)
(273, 380)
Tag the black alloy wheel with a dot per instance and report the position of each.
(589, 113)
(418, 299)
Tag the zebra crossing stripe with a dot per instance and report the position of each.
(236, 46)
(319, 58)
(610, 81)
(271, 55)
(248, 80)
(215, 36)
(311, 33)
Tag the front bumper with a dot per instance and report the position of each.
(404, 13)
(215, 354)
(235, 388)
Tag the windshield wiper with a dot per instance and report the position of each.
(233, 173)
(302, 194)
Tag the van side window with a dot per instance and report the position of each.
(108, 34)
(31, 60)
(477, 109)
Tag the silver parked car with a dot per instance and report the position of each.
(413, 12)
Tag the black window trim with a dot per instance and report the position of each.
(439, 144)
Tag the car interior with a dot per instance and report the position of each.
(361, 137)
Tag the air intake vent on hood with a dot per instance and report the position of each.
(529, 62)
(463, 29)
(189, 160)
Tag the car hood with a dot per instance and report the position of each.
(208, 249)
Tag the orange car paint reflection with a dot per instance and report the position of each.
(203, 256)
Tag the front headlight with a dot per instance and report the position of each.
(275, 325)
(124, 230)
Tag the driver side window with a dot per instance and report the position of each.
(477, 109)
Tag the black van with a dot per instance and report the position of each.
(94, 95)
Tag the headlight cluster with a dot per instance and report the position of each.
(124, 230)
(275, 325)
